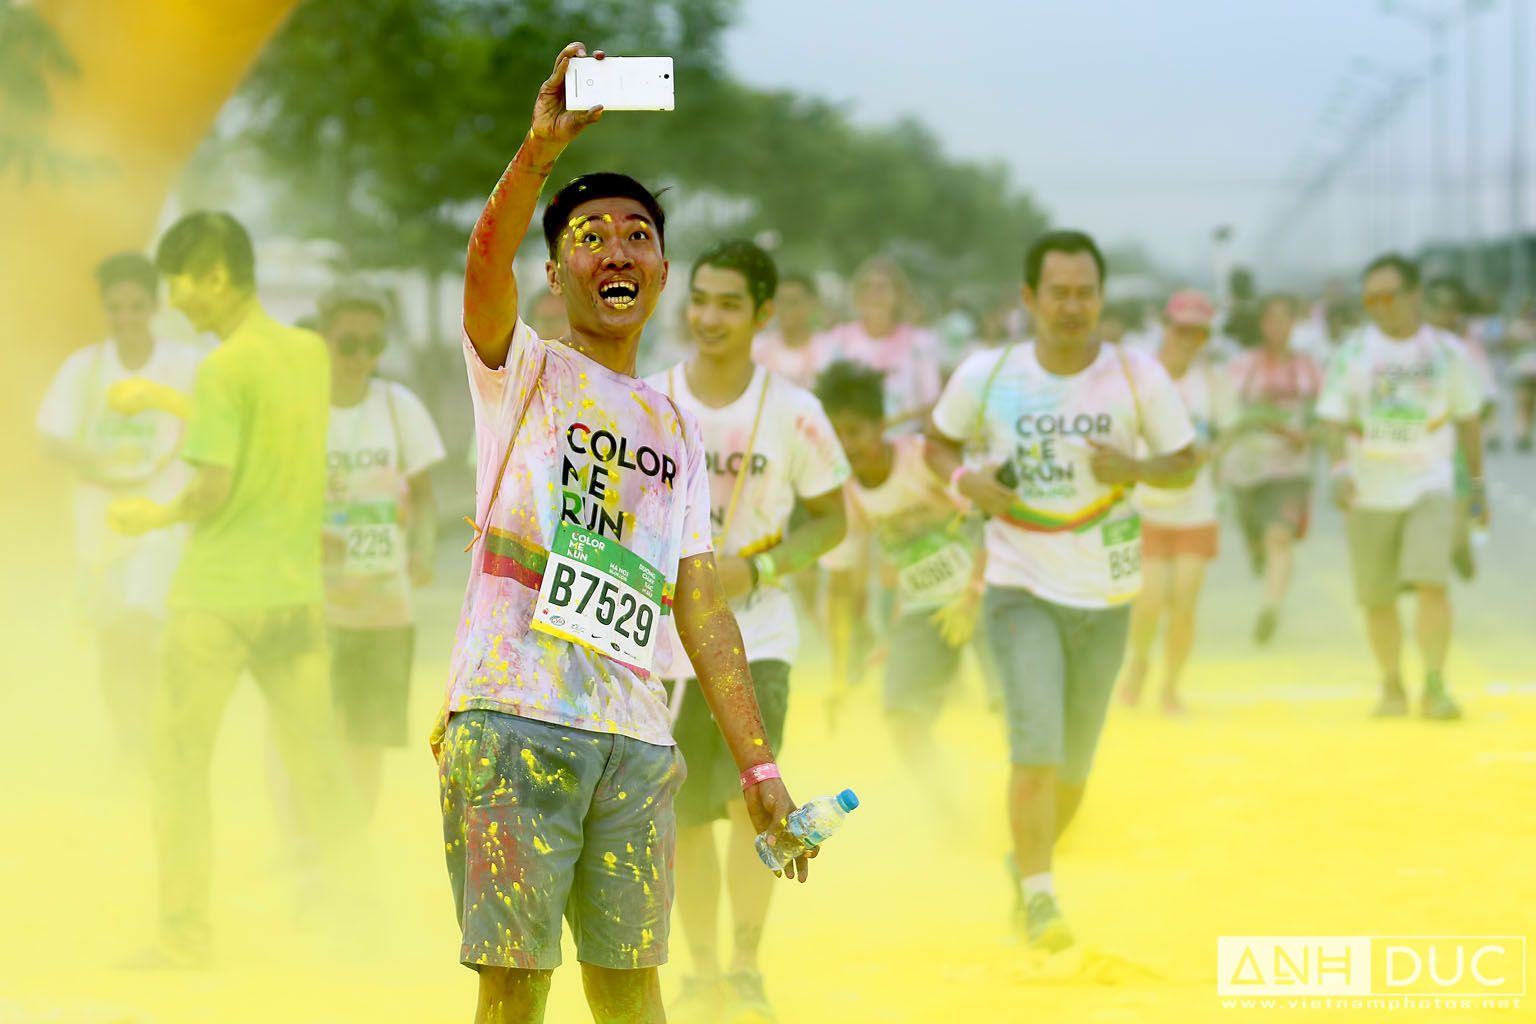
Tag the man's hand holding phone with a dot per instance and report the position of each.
(553, 122)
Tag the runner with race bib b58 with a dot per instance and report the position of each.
(1059, 419)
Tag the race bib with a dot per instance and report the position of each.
(599, 594)
(933, 572)
(1122, 552)
(374, 542)
(1395, 437)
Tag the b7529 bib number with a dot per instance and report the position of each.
(631, 613)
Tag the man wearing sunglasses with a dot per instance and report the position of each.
(380, 530)
(1400, 398)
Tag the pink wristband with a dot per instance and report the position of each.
(954, 478)
(759, 773)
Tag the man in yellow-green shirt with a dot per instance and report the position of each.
(248, 592)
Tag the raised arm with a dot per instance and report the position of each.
(490, 289)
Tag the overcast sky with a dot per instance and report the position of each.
(1155, 120)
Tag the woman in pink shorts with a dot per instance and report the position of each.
(1179, 533)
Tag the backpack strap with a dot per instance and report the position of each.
(490, 507)
(978, 430)
(1130, 380)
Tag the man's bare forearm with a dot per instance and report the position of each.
(714, 645)
(1170, 472)
(490, 289)
(942, 455)
(204, 496)
(811, 539)
(1469, 438)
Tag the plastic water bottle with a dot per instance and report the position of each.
(811, 825)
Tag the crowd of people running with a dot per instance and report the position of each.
(1034, 489)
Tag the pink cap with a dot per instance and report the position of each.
(1189, 308)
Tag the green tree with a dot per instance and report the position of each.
(386, 121)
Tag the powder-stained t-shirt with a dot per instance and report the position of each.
(1272, 394)
(1207, 396)
(1400, 399)
(1068, 538)
(918, 527)
(259, 408)
(798, 364)
(908, 358)
(374, 448)
(795, 455)
(598, 452)
(136, 455)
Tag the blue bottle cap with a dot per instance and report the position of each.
(847, 800)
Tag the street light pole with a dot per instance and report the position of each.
(1518, 268)
(1473, 232)
(1437, 25)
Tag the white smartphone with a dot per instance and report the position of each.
(619, 83)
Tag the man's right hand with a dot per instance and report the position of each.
(983, 490)
(553, 122)
(769, 806)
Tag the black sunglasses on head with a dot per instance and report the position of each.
(350, 345)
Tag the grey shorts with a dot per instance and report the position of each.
(714, 781)
(1405, 547)
(541, 821)
(921, 669)
(1057, 666)
(1273, 501)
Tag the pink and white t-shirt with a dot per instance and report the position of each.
(1271, 393)
(1208, 400)
(909, 357)
(598, 452)
(798, 364)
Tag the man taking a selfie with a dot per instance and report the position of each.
(555, 754)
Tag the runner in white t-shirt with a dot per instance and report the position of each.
(1059, 419)
(882, 338)
(767, 445)
(114, 413)
(555, 755)
(788, 346)
(923, 534)
(1399, 399)
(1179, 534)
(380, 531)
